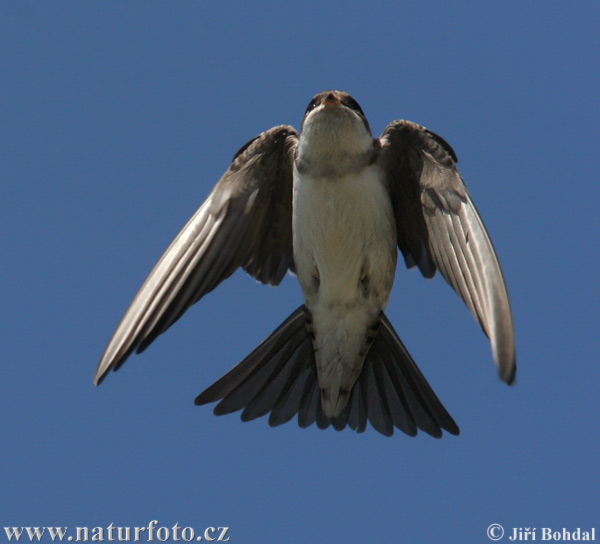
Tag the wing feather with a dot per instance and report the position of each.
(439, 227)
(246, 222)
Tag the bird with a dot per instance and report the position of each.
(333, 206)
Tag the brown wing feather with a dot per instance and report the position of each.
(246, 221)
(439, 227)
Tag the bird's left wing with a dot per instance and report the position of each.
(245, 221)
(439, 227)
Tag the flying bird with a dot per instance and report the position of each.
(332, 205)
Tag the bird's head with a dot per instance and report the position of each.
(335, 135)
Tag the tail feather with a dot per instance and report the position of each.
(322, 420)
(291, 361)
(310, 404)
(357, 415)
(397, 405)
(280, 377)
(429, 413)
(416, 405)
(287, 404)
(240, 385)
(377, 408)
(339, 423)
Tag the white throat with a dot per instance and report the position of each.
(334, 142)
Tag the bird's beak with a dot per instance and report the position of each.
(332, 100)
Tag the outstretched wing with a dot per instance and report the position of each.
(245, 221)
(439, 227)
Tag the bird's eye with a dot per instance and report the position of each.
(311, 106)
(353, 105)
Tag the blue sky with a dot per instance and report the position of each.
(117, 120)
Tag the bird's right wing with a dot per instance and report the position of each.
(246, 221)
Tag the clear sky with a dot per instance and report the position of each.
(116, 121)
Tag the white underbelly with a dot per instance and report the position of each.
(344, 233)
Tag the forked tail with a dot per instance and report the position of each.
(280, 377)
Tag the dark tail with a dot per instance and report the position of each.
(280, 377)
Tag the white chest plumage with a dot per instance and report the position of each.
(344, 233)
(345, 257)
